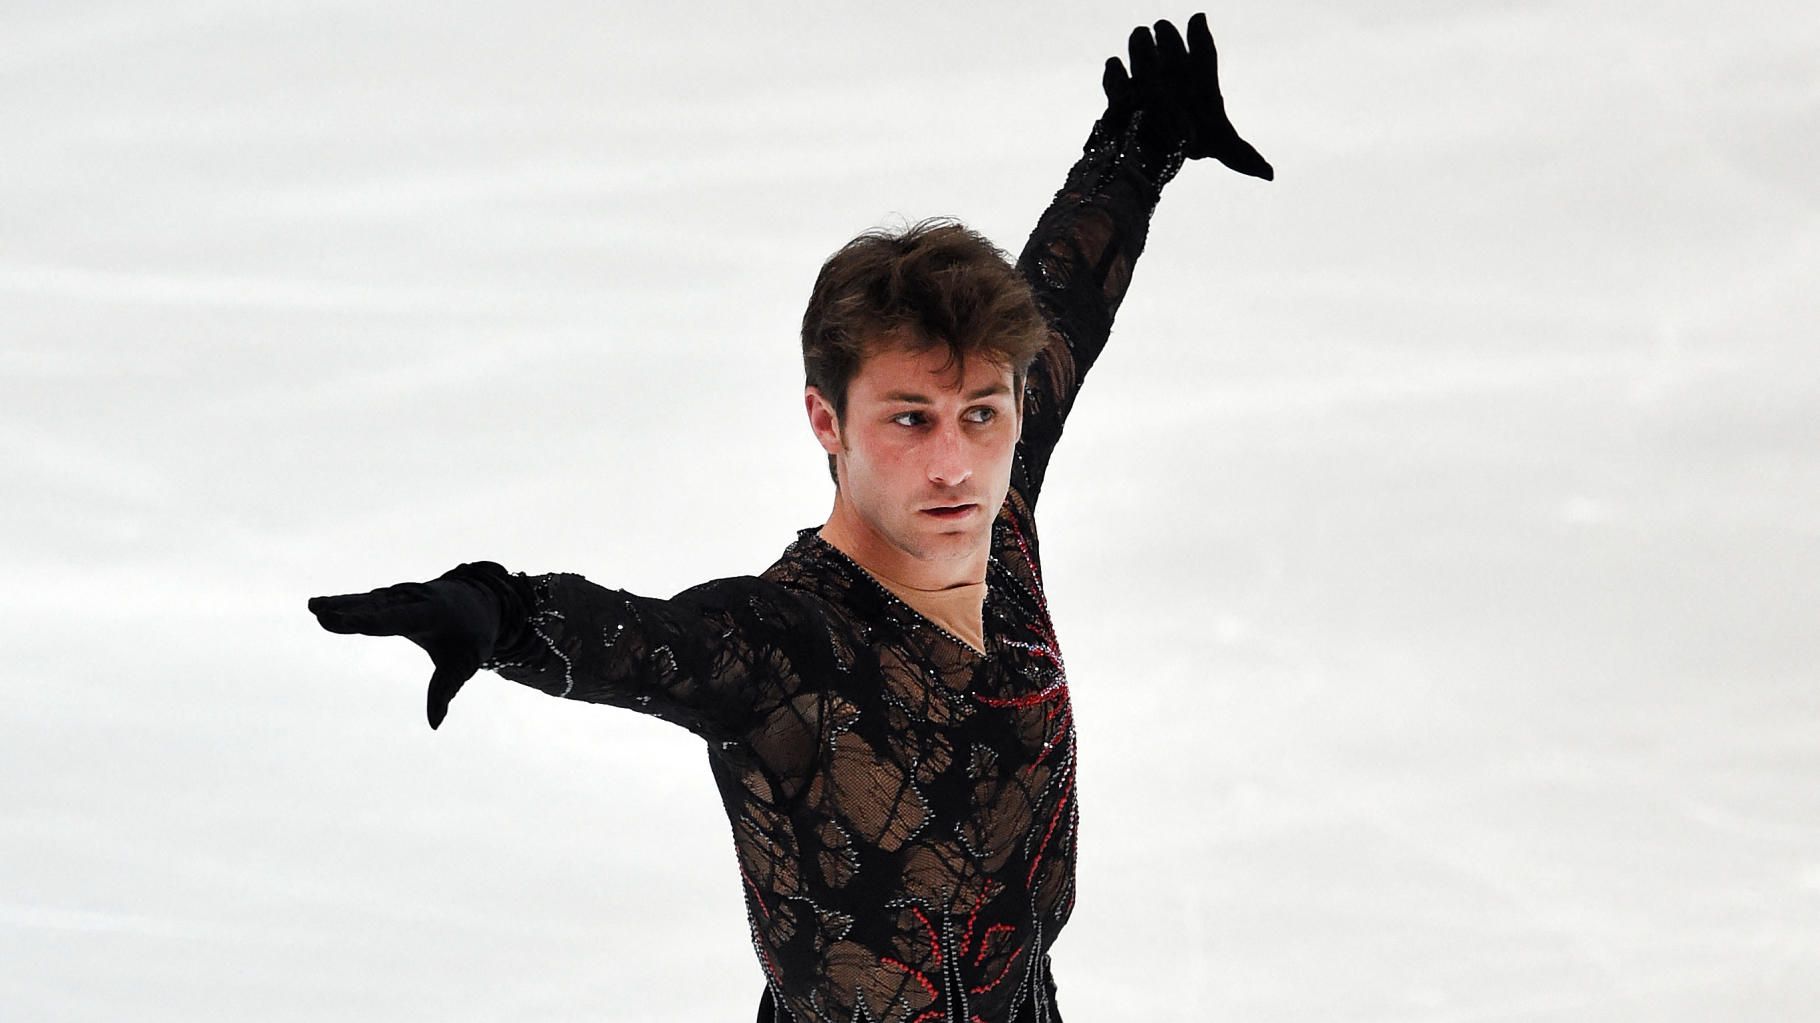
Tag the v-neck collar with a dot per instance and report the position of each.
(812, 536)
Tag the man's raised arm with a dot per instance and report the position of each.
(1079, 259)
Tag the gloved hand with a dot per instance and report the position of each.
(455, 619)
(1177, 88)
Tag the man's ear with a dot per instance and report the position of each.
(822, 420)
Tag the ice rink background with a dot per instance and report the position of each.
(1434, 549)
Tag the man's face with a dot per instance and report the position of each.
(917, 439)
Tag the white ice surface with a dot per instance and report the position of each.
(1435, 548)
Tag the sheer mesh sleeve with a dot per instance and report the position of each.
(1078, 261)
(719, 659)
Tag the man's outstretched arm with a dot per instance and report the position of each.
(1079, 259)
(717, 659)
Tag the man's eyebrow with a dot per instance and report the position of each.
(918, 399)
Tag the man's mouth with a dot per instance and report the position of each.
(954, 511)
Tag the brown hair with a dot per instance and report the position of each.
(934, 283)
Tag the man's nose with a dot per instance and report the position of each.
(949, 463)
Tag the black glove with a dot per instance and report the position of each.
(1177, 89)
(457, 619)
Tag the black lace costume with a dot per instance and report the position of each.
(903, 806)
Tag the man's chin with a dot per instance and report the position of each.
(958, 540)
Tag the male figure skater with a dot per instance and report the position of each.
(885, 708)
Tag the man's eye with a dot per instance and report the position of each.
(901, 416)
(990, 414)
